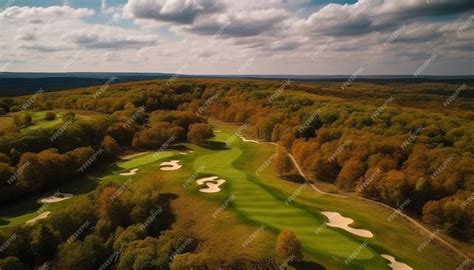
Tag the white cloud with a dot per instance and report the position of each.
(16, 13)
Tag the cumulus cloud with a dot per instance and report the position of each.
(176, 11)
(37, 13)
(220, 35)
(367, 16)
(240, 24)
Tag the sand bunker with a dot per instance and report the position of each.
(212, 183)
(41, 216)
(338, 221)
(57, 197)
(133, 155)
(131, 172)
(246, 140)
(183, 153)
(170, 165)
(396, 265)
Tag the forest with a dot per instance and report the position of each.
(406, 145)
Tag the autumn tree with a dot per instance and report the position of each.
(22, 119)
(199, 133)
(282, 163)
(50, 116)
(110, 146)
(352, 170)
(288, 246)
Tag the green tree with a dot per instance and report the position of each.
(43, 244)
(11, 263)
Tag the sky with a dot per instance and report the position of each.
(300, 37)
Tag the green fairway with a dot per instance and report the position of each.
(259, 199)
(143, 160)
(259, 206)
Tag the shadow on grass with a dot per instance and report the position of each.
(4, 222)
(215, 145)
(295, 178)
(20, 208)
(304, 265)
(180, 147)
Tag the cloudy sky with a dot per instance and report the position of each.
(311, 37)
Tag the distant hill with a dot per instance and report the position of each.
(24, 83)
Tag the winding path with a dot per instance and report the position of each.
(262, 207)
(410, 219)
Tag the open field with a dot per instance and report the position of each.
(259, 206)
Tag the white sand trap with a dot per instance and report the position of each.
(133, 155)
(217, 131)
(247, 140)
(57, 197)
(131, 172)
(396, 265)
(170, 165)
(183, 153)
(41, 216)
(338, 221)
(212, 183)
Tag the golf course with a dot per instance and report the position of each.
(251, 196)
